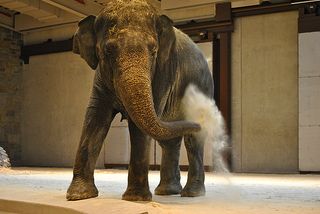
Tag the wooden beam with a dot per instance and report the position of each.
(76, 8)
(45, 48)
(309, 18)
(216, 69)
(225, 77)
(25, 23)
(223, 12)
(6, 17)
(35, 8)
(212, 26)
(309, 24)
(223, 72)
(265, 9)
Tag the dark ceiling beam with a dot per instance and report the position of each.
(212, 26)
(266, 9)
(309, 24)
(45, 48)
(309, 18)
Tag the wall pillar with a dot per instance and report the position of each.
(10, 93)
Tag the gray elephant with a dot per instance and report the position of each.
(143, 66)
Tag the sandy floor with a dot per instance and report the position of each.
(237, 193)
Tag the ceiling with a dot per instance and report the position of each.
(56, 20)
(25, 15)
(28, 14)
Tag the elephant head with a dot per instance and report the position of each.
(127, 45)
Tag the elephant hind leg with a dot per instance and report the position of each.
(169, 168)
(195, 183)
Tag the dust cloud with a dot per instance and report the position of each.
(203, 110)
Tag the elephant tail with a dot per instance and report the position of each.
(203, 110)
(4, 159)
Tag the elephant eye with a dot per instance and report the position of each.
(154, 51)
(152, 47)
(110, 47)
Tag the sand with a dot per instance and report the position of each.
(43, 190)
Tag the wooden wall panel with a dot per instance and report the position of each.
(266, 55)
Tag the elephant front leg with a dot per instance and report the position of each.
(169, 168)
(138, 186)
(195, 183)
(95, 128)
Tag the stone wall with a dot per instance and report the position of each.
(10, 93)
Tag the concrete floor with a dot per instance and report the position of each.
(42, 190)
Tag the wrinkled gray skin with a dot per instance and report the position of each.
(143, 65)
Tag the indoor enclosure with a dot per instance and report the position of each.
(263, 57)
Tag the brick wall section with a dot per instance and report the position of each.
(11, 68)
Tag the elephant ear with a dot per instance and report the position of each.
(166, 37)
(84, 41)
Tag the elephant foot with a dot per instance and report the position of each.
(193, 190)
(137, 195)
(79, 190)
(168, 189)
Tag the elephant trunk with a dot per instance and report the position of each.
(133, 86)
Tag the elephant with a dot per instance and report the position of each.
(143, 65)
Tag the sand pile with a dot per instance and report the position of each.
(4, 159)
